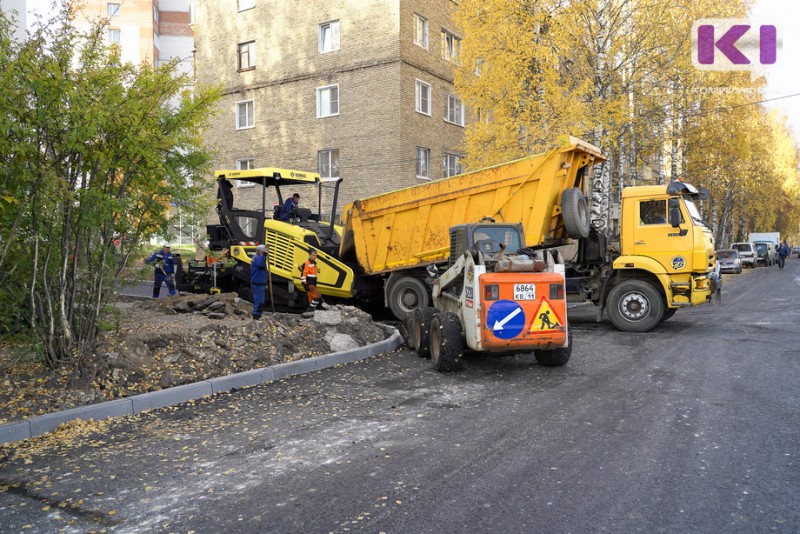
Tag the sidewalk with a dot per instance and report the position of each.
(42, 424)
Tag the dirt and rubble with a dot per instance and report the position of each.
(156, 344)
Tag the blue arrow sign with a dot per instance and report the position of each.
(506, 319)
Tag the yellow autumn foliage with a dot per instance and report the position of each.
(619, 73)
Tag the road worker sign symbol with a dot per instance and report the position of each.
(678, 263)
(505, 319)
(545, 319)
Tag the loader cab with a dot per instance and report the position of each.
(248, 226)
(485, 238)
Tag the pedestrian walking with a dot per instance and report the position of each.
(258, 279)
(309, 280)
(783, 252)
(164, 270)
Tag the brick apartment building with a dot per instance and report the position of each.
(361, 89)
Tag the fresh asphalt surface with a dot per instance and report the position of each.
(694, 427)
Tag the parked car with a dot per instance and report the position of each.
(747, 253)
(729, 261)
(765, 252)
(796, 251)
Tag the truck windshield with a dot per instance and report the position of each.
(694, 212)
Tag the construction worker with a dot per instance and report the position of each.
(164, 270)
(258, 279)
(309, 279)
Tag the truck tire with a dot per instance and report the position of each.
(668, 312)
(635, 306)
(575, 213)
(446, 343)
(419, 335)
(406, 295)
(555, 357)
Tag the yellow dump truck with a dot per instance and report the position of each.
(385, 242)
(395, 235)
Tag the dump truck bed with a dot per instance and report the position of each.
(410, 227)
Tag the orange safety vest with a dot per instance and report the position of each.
(310, 271)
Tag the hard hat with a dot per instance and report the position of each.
(166, 245)
(260, 248)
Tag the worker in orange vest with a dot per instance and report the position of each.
(309, 280)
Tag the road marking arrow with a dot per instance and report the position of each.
(498, 325)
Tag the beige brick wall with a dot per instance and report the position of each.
(377, 128)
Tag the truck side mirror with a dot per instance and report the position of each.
(674, 213)
(675, 217)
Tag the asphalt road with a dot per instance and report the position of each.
(694, 427)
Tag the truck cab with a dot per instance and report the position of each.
(656, 222)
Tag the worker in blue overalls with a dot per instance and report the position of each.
(164, 270)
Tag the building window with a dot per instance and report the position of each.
(329, 36)
(451, 47)
(421, 31)
(247, 55)
(155, 14)
(113, 10)
(246, 4)
(452, 165)
(453, 110)
(423, 96)
(156, 40)
(245, 114)
(328, 164)
(245, 164)
(424, 163)
(114, 36)
(327, 101)
(483, 116)
(478, 66)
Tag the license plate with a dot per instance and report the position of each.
(524, 291)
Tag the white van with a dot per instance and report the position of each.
(747, 253)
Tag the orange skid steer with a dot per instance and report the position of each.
(495, 297)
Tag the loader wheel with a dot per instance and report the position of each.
(419, 334)
(575, 213)
(406, 295)
(635, 306)
(555, 357)
(447, 342)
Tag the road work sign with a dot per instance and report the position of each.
(545, 319)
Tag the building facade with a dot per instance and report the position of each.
(357, 89)
(147, 31)
(153, 32)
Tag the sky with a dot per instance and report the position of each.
(783, 78)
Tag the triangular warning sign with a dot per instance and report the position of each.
(545, 319)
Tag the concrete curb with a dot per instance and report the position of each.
(36, 426)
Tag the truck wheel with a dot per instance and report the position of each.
(406, 295)
(420, 331)
(575, 213)
(555, 357)
(635, 306)
(668, 312)
(447, 342)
